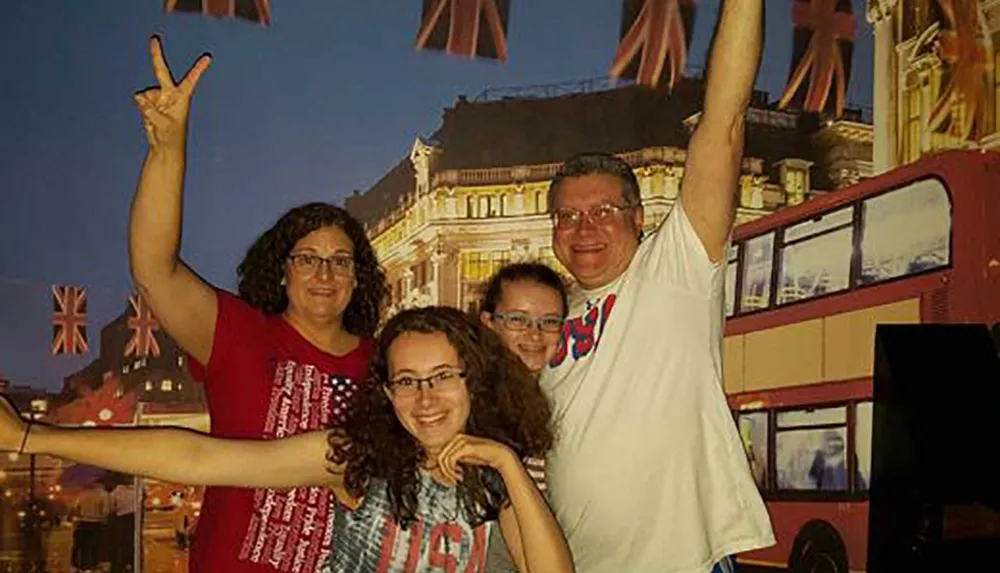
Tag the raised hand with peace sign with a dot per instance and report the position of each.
(165, 107)
(182, 302)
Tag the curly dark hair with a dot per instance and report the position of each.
(532, 272)
(506, 405)
(263, 267)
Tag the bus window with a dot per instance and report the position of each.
(757, 263)
(905, 231)
(734, 255)
(753, 431)
(816, 257)
(863, 445)
(810, 448)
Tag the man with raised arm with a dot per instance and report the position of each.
(648, 474)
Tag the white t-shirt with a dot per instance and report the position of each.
(648, 474)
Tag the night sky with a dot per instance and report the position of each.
(323, 102)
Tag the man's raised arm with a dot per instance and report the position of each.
(713, 167)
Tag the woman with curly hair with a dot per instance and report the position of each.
(428, 459)
(283, 357)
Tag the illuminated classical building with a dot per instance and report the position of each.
(936, 84)
(472, 196)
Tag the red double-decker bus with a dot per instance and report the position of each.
(805, 289)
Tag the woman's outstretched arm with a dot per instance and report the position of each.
(179, 455)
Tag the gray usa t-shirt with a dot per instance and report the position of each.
(369, 540)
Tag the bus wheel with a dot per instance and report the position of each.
(818, 549)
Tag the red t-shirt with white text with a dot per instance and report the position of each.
(264, 380)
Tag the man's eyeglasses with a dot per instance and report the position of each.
(409, 386)
(308, 263)
(568, 218)
(518, 321)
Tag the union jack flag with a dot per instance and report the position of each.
(143, 325)
(69, 320)
(823, 45)
(458, 32)
(252, 10)
(654, 34)
(963, 46)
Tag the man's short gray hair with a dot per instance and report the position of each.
(597, 164)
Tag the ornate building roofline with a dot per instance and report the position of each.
(544, 172)
(853, 130)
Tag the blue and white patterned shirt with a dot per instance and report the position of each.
(369, 540)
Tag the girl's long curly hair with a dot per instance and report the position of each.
(506, 406)
(262, 270)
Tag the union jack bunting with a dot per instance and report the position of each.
(465, 27)
(69, 320)
(965, 91)
(143, 325)
(251, 10)
(822, 49)
(654, 34)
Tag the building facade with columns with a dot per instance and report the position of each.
(936, 84)
(473, 196)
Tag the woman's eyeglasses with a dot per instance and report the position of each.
(517, 320)
(308, 263)
(444, 381)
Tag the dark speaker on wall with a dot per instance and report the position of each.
(935, 501)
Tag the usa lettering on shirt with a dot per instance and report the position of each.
(580, 335)
(439, 539)
(291, 530)
(447, 545)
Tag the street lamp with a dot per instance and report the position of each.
(33, 538)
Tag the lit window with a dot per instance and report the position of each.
(795, 186)
(149, 385)
(167, 385)
(479, 266)
(912, 128)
